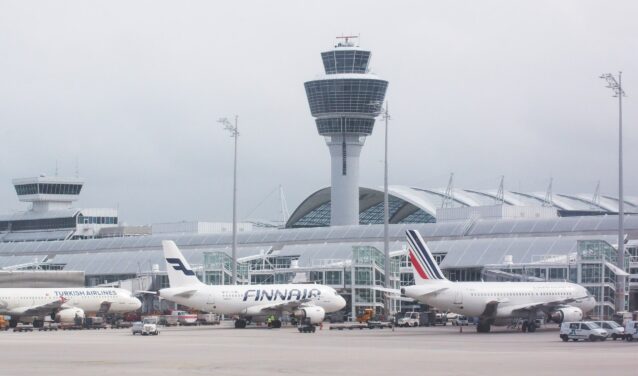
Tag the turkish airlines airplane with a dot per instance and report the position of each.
(493, 302)
(64, 304)
(248, 302)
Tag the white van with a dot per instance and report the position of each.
(585, 330)
(613, 328)
(631, 330)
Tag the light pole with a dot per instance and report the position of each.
(234, 133)
(616, 86)
(386, 215)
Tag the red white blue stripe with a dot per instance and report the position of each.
(421, 258)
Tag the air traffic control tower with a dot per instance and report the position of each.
(345, 101)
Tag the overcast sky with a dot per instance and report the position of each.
(133, 89)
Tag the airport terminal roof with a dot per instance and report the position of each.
(419, 205)
(467, 243)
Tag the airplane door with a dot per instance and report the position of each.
(210, 301)
(458, 297)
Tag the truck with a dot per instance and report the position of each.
(148, 326)
(184, 318)
(94, 323)
(631, 330)
(207, 319)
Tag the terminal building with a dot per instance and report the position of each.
(474, 234)
(51, 215)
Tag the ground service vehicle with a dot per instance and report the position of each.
(148, 326)
(207, 319)
(410, 319)
(22, 327)
(461, 321)
(631, 330)
(615, 331)
(584, 330)
(49, 326)
(306, 326)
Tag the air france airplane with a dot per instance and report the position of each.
(493, 302)
(247, 302)
(64, 304)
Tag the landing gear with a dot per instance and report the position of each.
(483, 327)
(240, 324)
(528, 326)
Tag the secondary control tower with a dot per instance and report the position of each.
(345, 102)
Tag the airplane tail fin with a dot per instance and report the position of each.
(424, 266)
(179, 271)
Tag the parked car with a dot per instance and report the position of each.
(460, 320)
(148, 326)
(584, 330)
(615, 331)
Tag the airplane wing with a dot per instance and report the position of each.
(40, 310)
(545, 306)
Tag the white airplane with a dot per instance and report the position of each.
(247, 302)
(493, 302)
(64, 304)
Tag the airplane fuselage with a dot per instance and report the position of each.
(249, 299)
(472, 298)
(14, 301)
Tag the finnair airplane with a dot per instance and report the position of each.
(64, 304)
(493, 302)
(248, 302)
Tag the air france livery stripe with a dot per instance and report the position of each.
(423, 256)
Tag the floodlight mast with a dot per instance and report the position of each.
(386, 217)
(616, 86)
(234, 133)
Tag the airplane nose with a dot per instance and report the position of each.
(137, 303)
(341, 302)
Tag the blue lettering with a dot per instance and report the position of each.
(280, 294)
(248, 293)
(265, 294)
(296, 293)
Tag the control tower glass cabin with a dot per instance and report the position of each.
(345, 102)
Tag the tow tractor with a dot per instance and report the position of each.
(305, 326)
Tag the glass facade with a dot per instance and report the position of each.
(38, 224)
(97, 220)
(345, 61)
(47, 188)
(374, 214)
(351, 95)
(318, 217)
(345, 125)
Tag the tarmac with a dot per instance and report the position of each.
(222, 350)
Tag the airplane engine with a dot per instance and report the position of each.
(316, 314)
(68, 315)
(566, 314)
